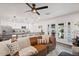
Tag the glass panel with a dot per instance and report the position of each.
(61, 31)
(53, 28)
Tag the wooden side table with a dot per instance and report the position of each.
(75, 50)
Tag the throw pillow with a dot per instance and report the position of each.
(23, 42)
(44, 40)
(13, 47)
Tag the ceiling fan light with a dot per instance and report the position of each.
(34, 11)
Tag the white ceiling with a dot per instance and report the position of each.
(54, 9)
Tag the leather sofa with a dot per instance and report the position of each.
(43, 48)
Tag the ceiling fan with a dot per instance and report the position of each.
(34, 9)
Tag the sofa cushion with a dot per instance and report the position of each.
(40, 47)
(4, 50)
(23, 42)
(33, 40)
(28, 51)
(13, 47)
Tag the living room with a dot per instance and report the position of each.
(41, 29)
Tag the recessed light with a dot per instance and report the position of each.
(47, 13)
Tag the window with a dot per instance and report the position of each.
(52, 28)
(61, 31)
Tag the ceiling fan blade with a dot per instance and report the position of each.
(37, 12)
(29, 5)
(44, 7)
(27, 11)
